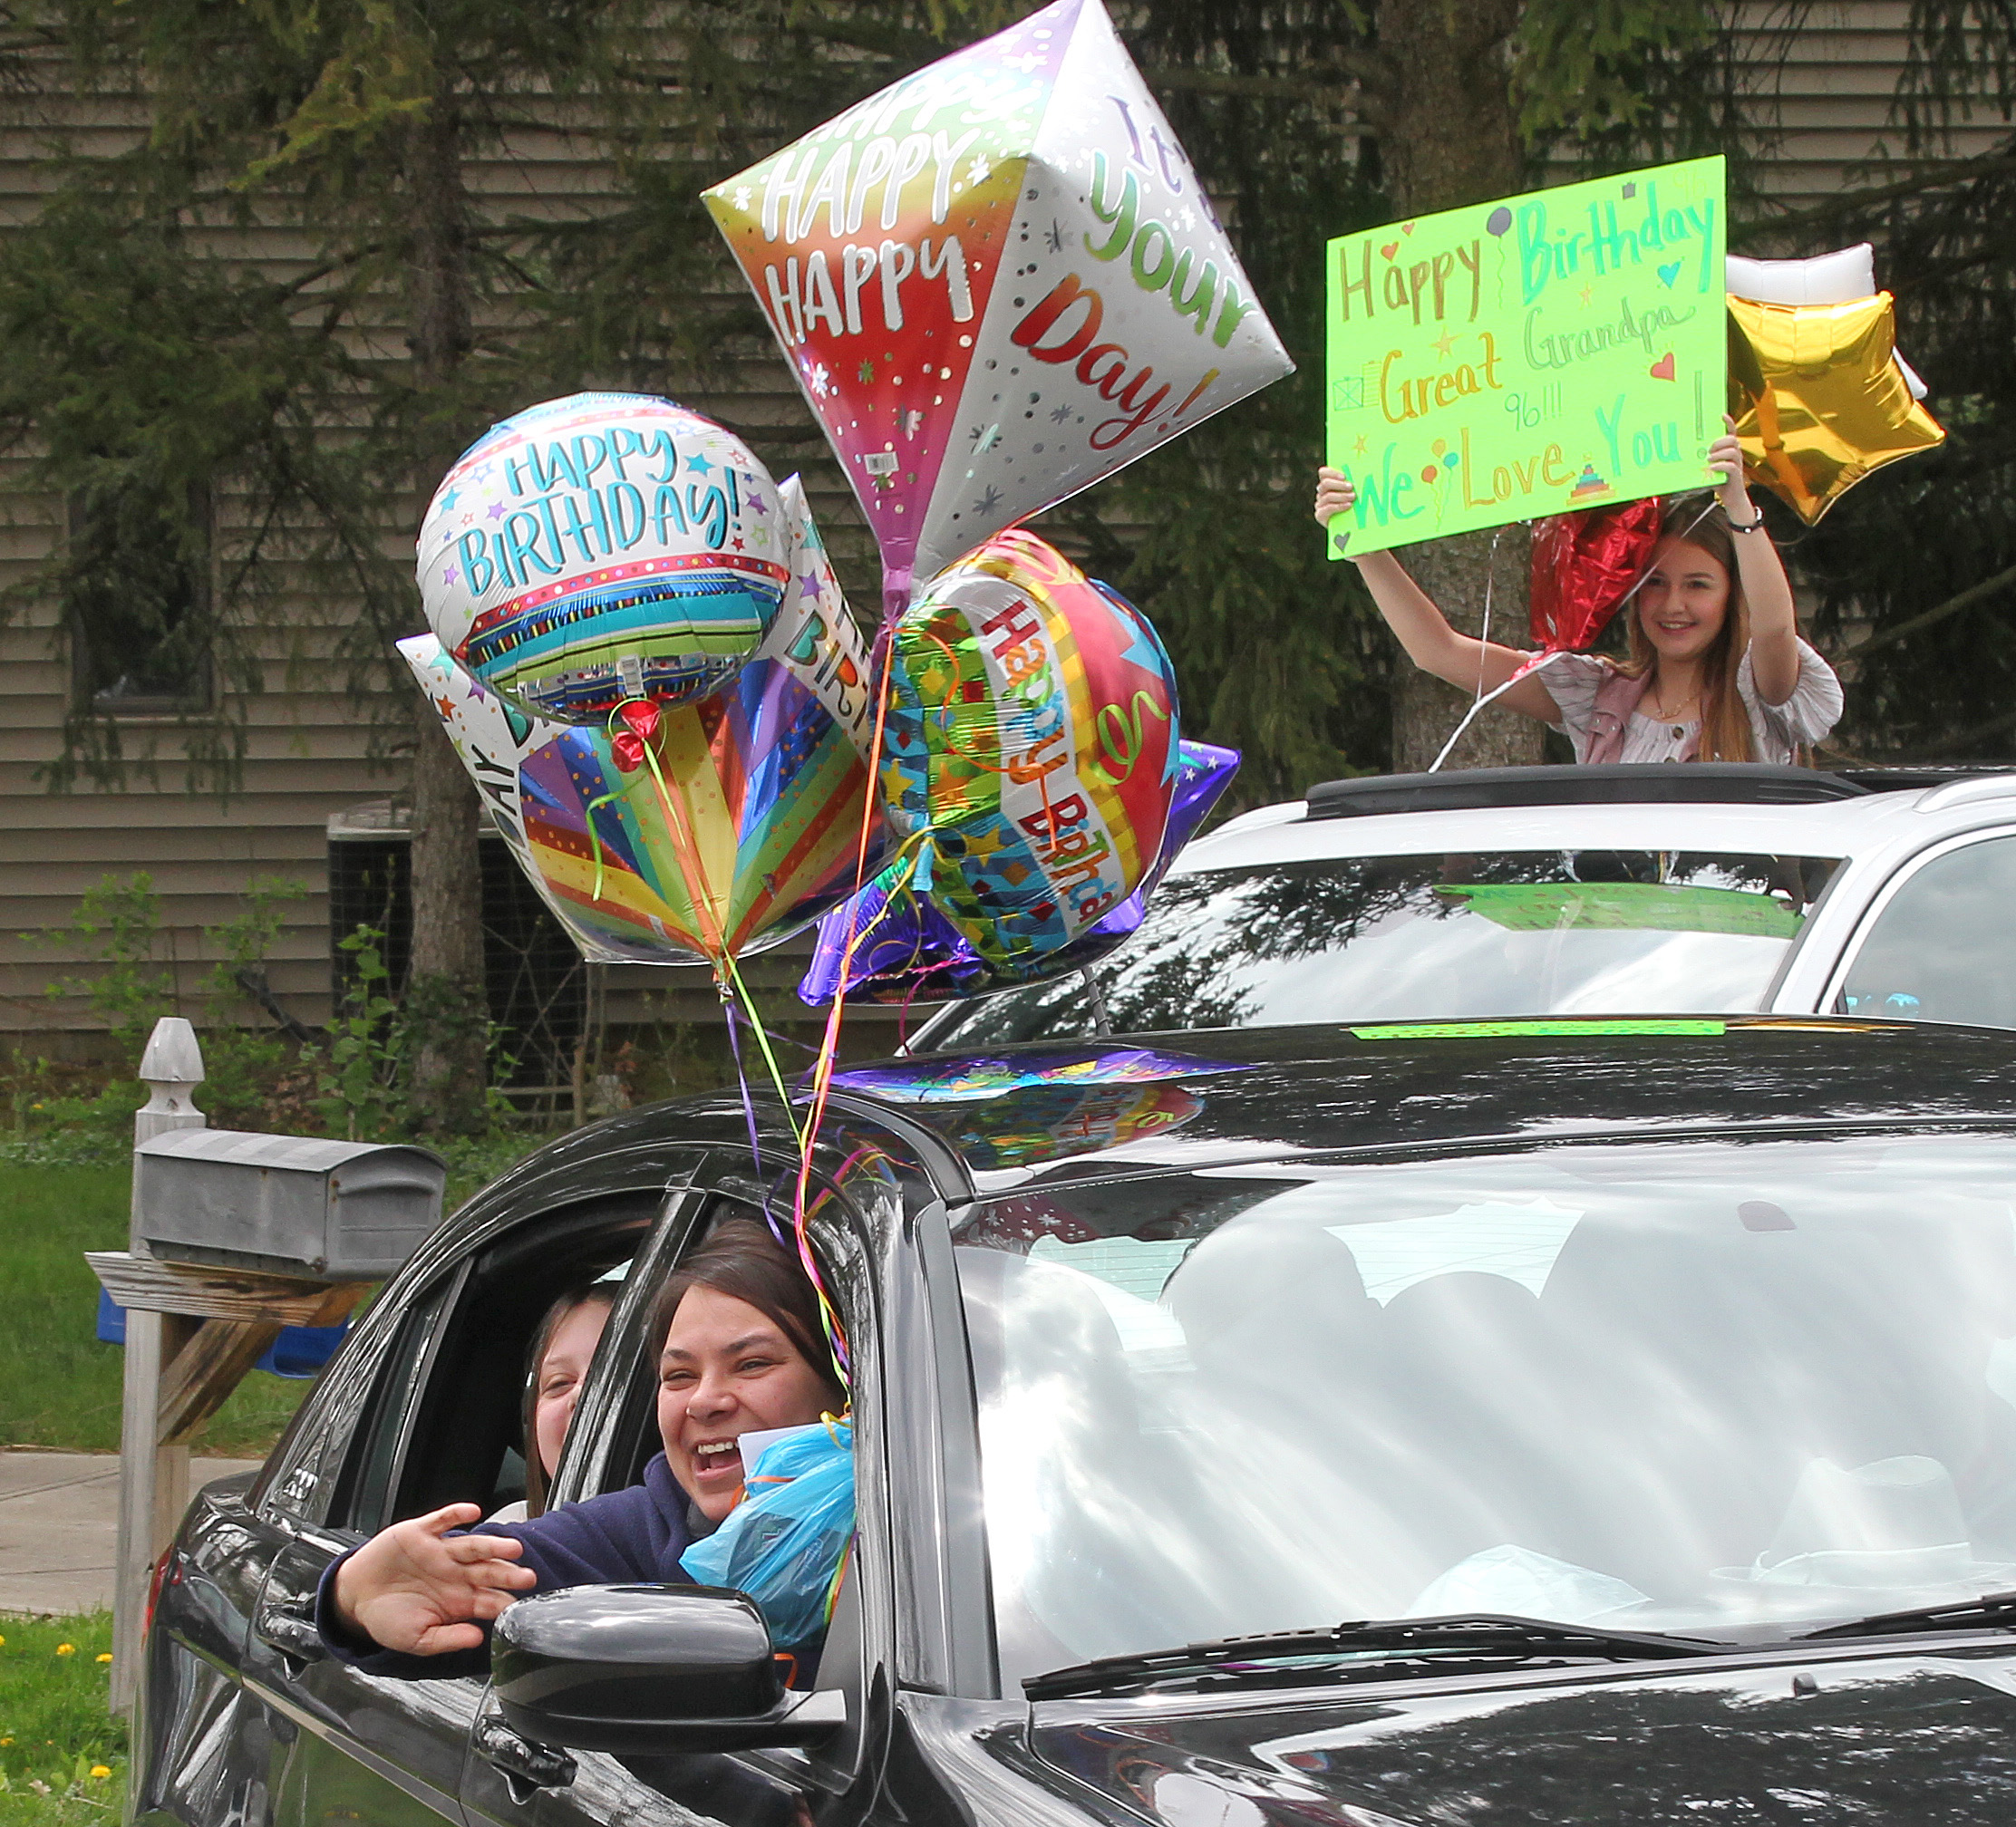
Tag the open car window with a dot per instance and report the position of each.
(443, 1422)
(629, 1427)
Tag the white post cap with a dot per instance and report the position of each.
(173, 1057)
(170, 1069)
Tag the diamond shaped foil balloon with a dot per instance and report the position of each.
(997, 281)
(1818, 402)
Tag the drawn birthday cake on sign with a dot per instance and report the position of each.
(1589, 486)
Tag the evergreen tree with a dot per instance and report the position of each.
(1916, 566)
(333, 403)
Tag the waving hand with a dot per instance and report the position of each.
(415, 1588)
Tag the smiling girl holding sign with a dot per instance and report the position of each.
(1716, 672)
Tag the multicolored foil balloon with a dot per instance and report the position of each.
(814, 636)
(1584, 566)
(714, 832)
(747, 825)
(603, 548)
(493, 737)
(888, 944)
(903, 949)
(1817, 400)
(997, 281)
(1029, 757)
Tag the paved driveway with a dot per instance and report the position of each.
(59, 1526)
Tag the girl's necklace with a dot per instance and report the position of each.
(1677, 714)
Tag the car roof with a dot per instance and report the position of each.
(1019, 1117)
(1861, 820)
(1255, 1093)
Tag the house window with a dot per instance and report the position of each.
(137, 601)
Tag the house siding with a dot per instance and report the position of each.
(308, 750)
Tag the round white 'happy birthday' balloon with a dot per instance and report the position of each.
(602, 547)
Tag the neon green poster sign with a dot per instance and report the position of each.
(1555, 351)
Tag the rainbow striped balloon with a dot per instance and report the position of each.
(746, 827)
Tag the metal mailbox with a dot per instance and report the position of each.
(295, 1204)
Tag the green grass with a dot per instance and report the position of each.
(54, 1730)
(59, 1386)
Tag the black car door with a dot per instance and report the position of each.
(439, 1422)
(205, 1746)
(200, 1745)
(511, 1784)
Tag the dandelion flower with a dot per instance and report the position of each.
(101, 1770)
(6, 1741)
(106, 1657)
(66, 1649)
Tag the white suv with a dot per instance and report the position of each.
(1509, 892)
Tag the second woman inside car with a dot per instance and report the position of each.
(557, 1369)
(742, 1353)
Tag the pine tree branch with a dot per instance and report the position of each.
(1349, 67)
(1944, 175)
(858, 34)
(1940, 612)
(1962, 739)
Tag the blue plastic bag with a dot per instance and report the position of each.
(785, 1543)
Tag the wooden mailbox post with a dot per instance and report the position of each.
(217, 1221)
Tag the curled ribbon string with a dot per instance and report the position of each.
(748, 1102)
(823, 1064)
(594, 837)
(682, 831)
(732, 978)
(686, 847)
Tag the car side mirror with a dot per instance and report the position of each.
(641, 1670)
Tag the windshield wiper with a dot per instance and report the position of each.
(1366, 1649)
(1990, 1612)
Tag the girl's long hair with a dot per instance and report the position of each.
(1725, 724)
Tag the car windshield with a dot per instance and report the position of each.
(1724, 1388)
(1426, 938)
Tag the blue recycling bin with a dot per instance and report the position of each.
(299, 1351)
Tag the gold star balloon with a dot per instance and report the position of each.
(1817, 400)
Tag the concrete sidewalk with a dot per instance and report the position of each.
(59, 1526)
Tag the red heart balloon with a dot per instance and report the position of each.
(1584, 566)
(641, 716)
(627, 747)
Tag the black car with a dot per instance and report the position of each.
(1392, 1427)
